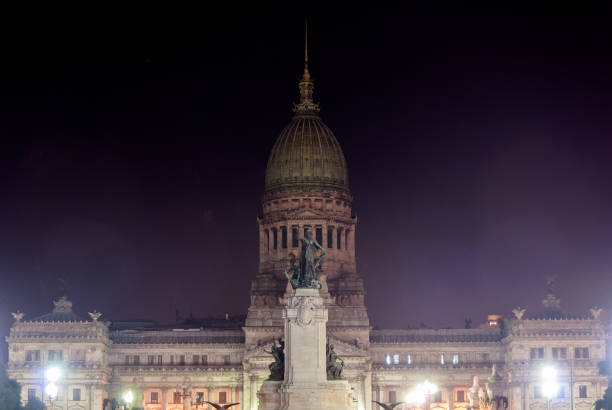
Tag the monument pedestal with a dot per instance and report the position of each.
(305, 385)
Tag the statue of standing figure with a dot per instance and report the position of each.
(306, 273)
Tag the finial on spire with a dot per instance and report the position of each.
(306, 42)
(306, 85)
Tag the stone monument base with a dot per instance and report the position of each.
(332, 395)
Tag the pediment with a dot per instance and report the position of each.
(346, 349)
(306, 213)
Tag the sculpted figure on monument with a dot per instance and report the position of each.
(335, 365)
(277, 367)
(306, 273)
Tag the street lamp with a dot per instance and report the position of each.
(52, 374)
(422, 394)
(549, 383)
(185, 395)
(128, 397)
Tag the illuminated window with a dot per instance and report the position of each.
(409, 359)
(284, 237)
(396, 359)
(442, 358)
(388, 359)
(582, 392)
(222, 397)
(455, 359)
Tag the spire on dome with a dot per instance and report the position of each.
(306, 85)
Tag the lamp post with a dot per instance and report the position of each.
(422, 394)
(128, 397)
(184, 393)
(52, 374)
(549, 384)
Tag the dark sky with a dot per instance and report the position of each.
(135, 144)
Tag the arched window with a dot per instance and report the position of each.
(339, 238)
(275, 233)
(295, 233)
(319, 234)
(330, 237)
(267, 240)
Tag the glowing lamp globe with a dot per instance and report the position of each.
(53, 373)
(51, 390)
(128, 397)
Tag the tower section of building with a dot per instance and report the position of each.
(307, 187)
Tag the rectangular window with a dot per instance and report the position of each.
(295, 233)
(284, 237)
(537, 392)
(485, 357)
(196, 359)
(330, 238)
(346, 237)
(31, 394)
(160, 360)
(396, 359)
(150, 359)
(127, 359)
(339, 238)
(136, 360)
(460, 395)
(437, 397)
(76, 394)
(171, 359)
(409, 359)
(392, 396)
(563, 353)
(33, 356)
(555, 353)
(51, 355)
(582, 392)
(154, 397)
(442, 359)
(267, 239)
(176, 398)
(388, 359)
(222, 397)
(536, 353)
(275, 234)
(182, 360)
(561, 392)
(319, 234)
(455, 359)
(226, 359)
(585, 353)
(204, 359)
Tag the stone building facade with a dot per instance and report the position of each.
(226, 360)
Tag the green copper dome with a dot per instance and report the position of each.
(306, 153)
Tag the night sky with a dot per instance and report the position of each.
(134, 149)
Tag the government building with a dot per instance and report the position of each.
(226, 360)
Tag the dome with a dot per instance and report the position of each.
(306, 153)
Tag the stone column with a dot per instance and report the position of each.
(164, 399)
(450, 398)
